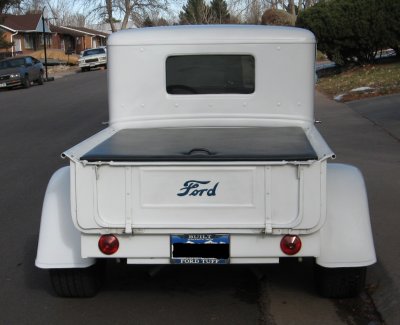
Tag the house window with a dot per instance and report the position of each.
(29, 41)
(48, 40)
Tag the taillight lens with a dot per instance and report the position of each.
(290, 244)
(108, 244)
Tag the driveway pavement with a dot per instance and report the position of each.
(372, 143)
(382, 111)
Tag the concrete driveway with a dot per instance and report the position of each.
(372, 143)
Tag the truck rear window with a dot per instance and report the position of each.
(210, 74)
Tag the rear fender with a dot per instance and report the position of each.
(346, 237)
(59, 241)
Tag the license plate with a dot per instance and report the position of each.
(200, 249)
(3, 85)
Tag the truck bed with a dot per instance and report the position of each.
(205, 144)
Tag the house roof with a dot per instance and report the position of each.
(106, 28)
(27, 22)
(65, 30)
(87, 31)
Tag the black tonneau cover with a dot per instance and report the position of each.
(205, 144)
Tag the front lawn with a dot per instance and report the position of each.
(362, 81)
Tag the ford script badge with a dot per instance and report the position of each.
(198, 188)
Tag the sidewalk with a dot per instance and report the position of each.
(362, 133)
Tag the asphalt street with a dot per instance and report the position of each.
(40, 122)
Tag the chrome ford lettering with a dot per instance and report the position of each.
(197, 188)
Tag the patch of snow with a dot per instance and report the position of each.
(361, 89)
(338, 98)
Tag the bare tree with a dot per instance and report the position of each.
(31, 6)
(254, 12)
(64, 13)
(110, 10)
(248, 10)
(6, 5)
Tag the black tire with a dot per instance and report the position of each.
(26, 82)
(40, 80)
(78, 282)
(344, 282)
(84, 69)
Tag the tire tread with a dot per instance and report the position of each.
(340, 282)
(78, 282)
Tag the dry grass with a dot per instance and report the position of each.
(384, 78)
(62, 70)
(57, 55)
(320, 56)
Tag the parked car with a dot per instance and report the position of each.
(20, 71)
(207, 159)
(93, 58)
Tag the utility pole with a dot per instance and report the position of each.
(44, 44)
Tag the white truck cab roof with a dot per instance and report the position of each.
(211, 34)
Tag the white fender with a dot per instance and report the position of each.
(346, 237)
(59, 241)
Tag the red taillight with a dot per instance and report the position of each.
(108, 244)
(290, 244)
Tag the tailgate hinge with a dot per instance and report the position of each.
(268, 206)
(128, 200)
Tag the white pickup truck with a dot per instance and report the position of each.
(211, 156)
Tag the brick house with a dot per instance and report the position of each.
(25, 31)
(76, 39)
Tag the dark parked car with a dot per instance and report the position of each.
(20, 71)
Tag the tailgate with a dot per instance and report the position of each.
(264, 197)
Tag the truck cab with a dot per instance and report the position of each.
(211, 156)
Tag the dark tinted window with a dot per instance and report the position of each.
(14, 63)
(210, 74)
